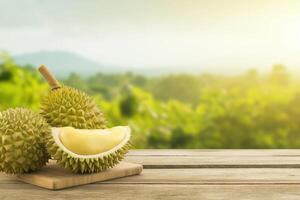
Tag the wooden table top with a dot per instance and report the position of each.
(185, 174)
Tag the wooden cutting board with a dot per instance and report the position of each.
(55, 177)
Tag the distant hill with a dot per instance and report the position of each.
(63, 63)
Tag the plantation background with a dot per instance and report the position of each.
(250, 110)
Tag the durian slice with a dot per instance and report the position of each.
(87, 151)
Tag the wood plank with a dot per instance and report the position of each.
(8, 179)
(186, 174)
(214, 176)
(158, 191)
(215, 162)
(216, 158)
(215, 152)
(56, 177)
(202, 176)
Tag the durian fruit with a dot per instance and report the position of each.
(87, 151)
(22, 147)
(66, 106)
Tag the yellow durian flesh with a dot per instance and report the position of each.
(92, 142)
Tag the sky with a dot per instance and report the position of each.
(216, 34)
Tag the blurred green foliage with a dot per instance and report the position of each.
(19, 86)
(180, 111)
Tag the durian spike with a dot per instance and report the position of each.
(54, 84)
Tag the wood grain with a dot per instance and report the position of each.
(185, 174)
(160, 159)
(215, 152)
(201, 177)
(153, 191)
(214, 176)
(55, 177)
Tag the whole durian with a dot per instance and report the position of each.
(22, 145)
(87, 151)
(66, 106)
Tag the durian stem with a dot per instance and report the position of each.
(54, 84)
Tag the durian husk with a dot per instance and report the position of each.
(68, 106)
(22, 145)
